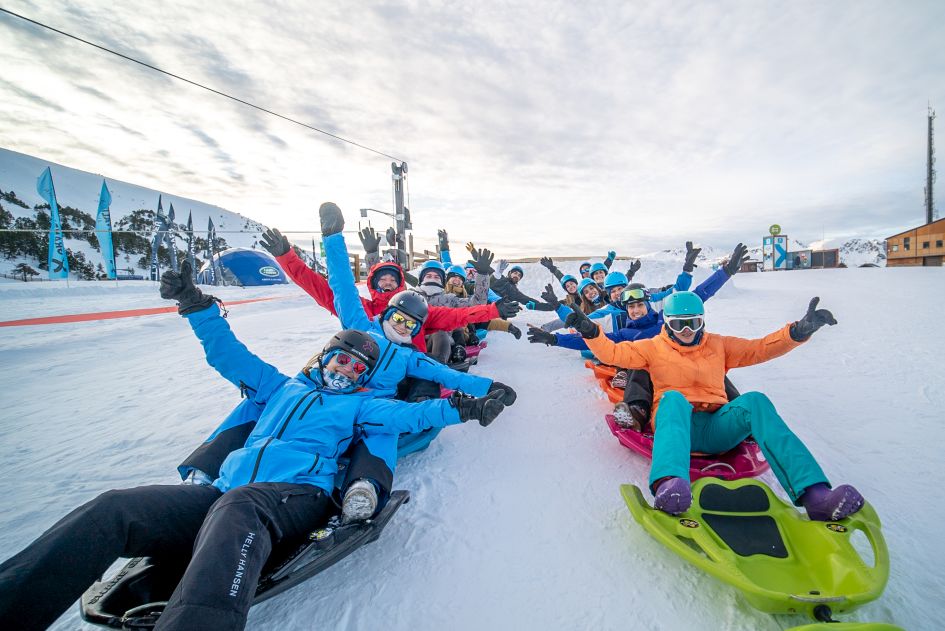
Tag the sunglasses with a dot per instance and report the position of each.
(634, 295)
(344, 359)
(399, 318)
(693, 323)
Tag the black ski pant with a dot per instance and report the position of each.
(222, 539)
(639, 389)
(440, 344)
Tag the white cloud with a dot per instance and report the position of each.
(536, 127)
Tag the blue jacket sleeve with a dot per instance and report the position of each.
(563, 312)
(683, 283)
(707, 288)
(387, 416)
(348, 303)
(445, 258)
(572, 341)
(494, 297)
(419, 365)
(231, 358)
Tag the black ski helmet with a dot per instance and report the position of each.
(352, 341)
(409, 302)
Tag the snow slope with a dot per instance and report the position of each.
(519, 525)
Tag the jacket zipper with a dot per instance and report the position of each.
(279, 435)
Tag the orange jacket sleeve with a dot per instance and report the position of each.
(625, 354)
(741, 352)
(314, 284)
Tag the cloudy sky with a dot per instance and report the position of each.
(531, 126)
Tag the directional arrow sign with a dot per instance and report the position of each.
(780, 255)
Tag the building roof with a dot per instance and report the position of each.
(899, 234)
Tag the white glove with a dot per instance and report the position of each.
(500, 268)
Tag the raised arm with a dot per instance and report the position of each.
(610, 259)
(549, 264)
(348, 303)
(742, 352)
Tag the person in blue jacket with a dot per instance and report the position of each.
(641, 322)
(272, 491)
(393, 330)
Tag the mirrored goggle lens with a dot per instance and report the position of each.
(634, 295)
(398, 318)
(358, 366)
(678, 324)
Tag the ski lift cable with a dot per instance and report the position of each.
(200, 85)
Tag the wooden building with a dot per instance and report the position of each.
(922, 246)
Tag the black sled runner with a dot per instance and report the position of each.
(135, 597)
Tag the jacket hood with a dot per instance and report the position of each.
(379, 299)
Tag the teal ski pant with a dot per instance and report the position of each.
(680, 431)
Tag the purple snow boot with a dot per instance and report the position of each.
(826, 504)
(673, 496)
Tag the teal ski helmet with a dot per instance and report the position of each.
(615, 279)
(683, 303)
(597, 267)
(433, 266)
(567, 278)
(455, 270)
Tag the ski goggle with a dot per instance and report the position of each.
(635, 294)
(679, 324)
(344, 359)
(399, 318)
(585, 269)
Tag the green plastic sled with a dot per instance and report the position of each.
(783, 563)
(848, 626)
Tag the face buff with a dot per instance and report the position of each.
(393, 335)
(337, 381)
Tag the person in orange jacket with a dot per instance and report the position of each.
(688, 366)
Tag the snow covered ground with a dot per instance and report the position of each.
(519, 525)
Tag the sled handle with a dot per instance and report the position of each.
(718, 465)
(868, 521)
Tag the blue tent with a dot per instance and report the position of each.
(244, 267)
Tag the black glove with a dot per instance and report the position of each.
(580, 322)
(514, 330)
(444, 240)
(482, 260)
(666, 287)
(391, 235)
(507, 308)
(691, 254)
(739, 255)
(180, 286)
(484, 409)
(540, 336)
(547, 263)
(332, 220)
(274, 242)
(549, 296)
(634, 268)
(369, 240)
(508, 395)
(812, 320)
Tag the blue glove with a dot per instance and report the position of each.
(612, 254)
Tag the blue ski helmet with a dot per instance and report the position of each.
(683, 303)
(469, 265)
(455, 270)
(516, 268)
(433, 266)
(597, 267)
(615, 279)
(567, 278)
(584, 284)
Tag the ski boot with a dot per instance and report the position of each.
(826, 504)
(673, 496)
(619, 380)
(360, 501)
(631, 416)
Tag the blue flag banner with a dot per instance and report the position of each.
(190, 244)
(57, 261)
(211, 237)
(103, 228)
(156, 242)
(170, 238)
